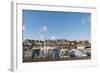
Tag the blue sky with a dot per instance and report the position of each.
(56, 25)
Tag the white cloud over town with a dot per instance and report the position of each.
(44, 29)
(41, 37)
(23, 28)
(85, 20)
(53, 37)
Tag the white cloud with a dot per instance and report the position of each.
(44, 29)
(23, 28)
(53, 37)
(41, 36)
(85, 20)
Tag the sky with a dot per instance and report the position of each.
(56, 25)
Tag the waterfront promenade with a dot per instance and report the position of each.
(56, 59)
